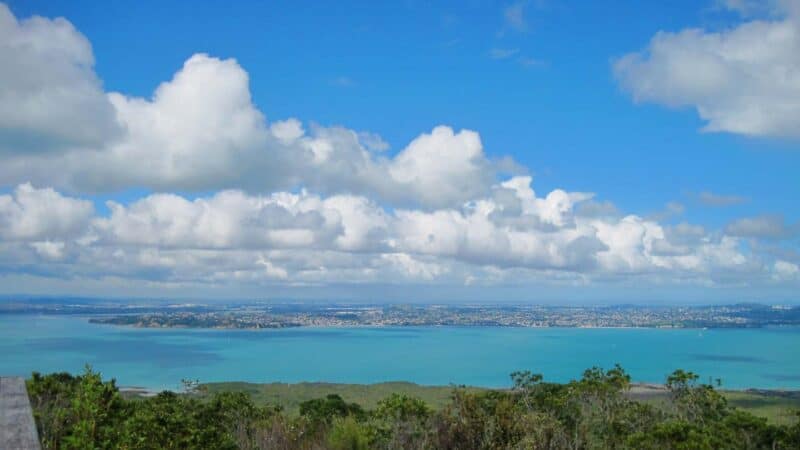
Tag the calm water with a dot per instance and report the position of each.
(765, 358)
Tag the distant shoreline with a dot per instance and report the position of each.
(254, 317)
(476, 355)
(265, 315)
(368, 325)
(637, 389)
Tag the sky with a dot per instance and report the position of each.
(545, 151)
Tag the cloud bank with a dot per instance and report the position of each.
(282, 203)
(199, 131)
(304, 238)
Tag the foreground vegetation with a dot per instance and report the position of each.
(289, 396)
(776, 406)
(595, 412)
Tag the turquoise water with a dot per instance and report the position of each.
(484, 356)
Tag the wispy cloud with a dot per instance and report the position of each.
(344, 82)
(509, 53)
(514, 16)
(671, 209)
(372, 141)
(451, 43)
(711, 199)
(527, 61)
(764, 226)
(502, 53)
(749, 8)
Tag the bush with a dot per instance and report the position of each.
(84, 412)
(324, 410)
(348, 434)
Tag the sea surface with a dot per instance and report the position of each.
(481, 356)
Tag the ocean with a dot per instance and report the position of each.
(480, 356)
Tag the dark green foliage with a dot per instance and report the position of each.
(402, 407)
(400, 422)
(84, 412)
(76, 412)
(346, 433)
(594, 412)
(324, 410)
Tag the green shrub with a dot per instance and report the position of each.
(594, 412)
(347, 433)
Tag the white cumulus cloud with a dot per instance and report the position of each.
(35, 214)
(199, 131)
(743, 80)
(50, 97)
(282, 202)
(511, 234)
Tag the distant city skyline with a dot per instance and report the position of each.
(533, 151)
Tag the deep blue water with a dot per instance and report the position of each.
(484, 356)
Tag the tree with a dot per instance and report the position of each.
(695, 402)
(324, 410)
(594, 412)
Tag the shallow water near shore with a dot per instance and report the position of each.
(767, 358)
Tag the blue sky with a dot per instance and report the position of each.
(412, 65)
(539, 81)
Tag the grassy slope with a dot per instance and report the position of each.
(367, 395)
(776, 408)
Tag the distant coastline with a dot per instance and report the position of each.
(158, 358)
(262, 316)
(274, 315)
(640, 390)
(113, 321)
